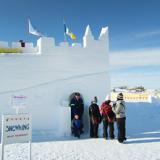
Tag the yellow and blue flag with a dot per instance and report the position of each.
(68, 32)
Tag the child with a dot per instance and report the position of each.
(76, 126)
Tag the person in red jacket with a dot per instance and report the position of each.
(108, 118)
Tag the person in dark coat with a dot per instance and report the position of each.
(77, 106)
(76, 126)
(119, 109)
(108, 118)
(95, 118)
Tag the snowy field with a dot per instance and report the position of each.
(143, 141)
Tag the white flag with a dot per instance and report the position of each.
(33, 31)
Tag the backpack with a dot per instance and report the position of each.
(107, 112)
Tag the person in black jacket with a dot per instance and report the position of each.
(95, 118)
(77, 106)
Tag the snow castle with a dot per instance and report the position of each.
(48, 75)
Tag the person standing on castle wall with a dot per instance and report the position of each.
(95, 118)
(108, 118)
(119, 109)
(77, 106)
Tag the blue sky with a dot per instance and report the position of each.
(134, 27)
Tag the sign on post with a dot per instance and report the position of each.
(16, 129)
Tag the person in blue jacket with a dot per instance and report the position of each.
(76, 126)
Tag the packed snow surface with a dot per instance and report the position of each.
(143, 141)
(88, 149)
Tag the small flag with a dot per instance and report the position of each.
(33, 31)
(68, 32)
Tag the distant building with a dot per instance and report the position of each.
(157, 93)
(133, 96)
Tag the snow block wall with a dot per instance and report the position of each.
(49, 76)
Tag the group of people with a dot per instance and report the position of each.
(108, 113)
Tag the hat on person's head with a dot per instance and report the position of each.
(108, 98)
(77, 94)
(120, 96)
(95, 100)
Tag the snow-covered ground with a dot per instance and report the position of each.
(143, 133)
(88, 149)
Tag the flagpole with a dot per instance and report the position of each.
(28, 19)
(65, 38)
(64, 25)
